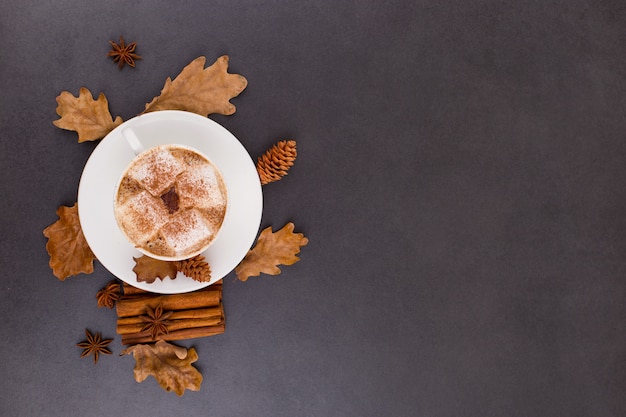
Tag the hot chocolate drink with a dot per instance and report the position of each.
(171, 202)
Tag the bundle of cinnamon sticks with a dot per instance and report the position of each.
(195, 314)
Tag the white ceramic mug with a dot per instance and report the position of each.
(149, 215)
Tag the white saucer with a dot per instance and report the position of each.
(107, 163)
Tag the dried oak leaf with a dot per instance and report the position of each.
(69, 252)
(90, 118)
(169, 364)
(201, 90)
(271, 250)
(149, 269)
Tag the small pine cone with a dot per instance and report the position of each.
(195, 268)
(276, 161)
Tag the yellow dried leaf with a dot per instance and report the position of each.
(169, 364)
(149, 269)
(90, 118)
(271, 250)
(199, 90)
(69, 252)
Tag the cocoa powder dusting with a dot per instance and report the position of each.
(170, 199)
(171, 202)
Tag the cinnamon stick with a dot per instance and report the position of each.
(138, 305)
(129, 290)
(197, 313)
(137, 328)
(175, 335)
(178, 320)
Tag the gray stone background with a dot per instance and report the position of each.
(460, 177)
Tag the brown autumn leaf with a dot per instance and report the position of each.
(90, 118)
(201, 90)
(69, 252)
(271, 250)
(169, 364)
(149, 269)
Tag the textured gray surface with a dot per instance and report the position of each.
(460, 177)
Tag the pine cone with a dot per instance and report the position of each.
(195, 268)
(276, 161)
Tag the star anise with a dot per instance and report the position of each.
(156, 321)
(108, 295)
(122, 53)
(94, 345)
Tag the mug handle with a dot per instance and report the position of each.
(133, 141)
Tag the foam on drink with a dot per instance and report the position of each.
(171, 202)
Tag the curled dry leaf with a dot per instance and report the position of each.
(149, 269)
(271, 250)
(169, 364)
(90, 118)
(69, 252)
(199, 90)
